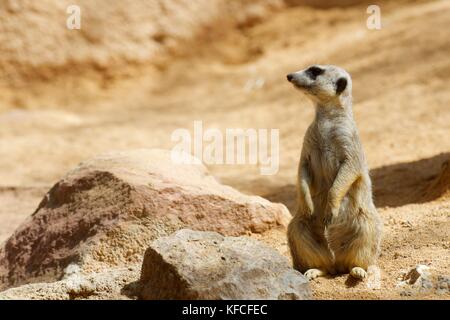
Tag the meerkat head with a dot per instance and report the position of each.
(324, 84)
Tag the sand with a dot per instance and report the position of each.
(236, 79)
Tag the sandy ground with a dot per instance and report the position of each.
(401, 80)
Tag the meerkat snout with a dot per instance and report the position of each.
(299, 79)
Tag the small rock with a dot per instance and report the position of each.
(443, 284)
(205, 265)
(419, 280)
(420, 272)
(71, 270)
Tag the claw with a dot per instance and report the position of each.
(327, 220)
(330, 216)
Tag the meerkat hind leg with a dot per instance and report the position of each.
(314, 273)
(358, 273)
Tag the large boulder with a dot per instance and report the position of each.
(205, 265)
(108, 210)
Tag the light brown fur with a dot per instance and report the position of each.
(336, 228)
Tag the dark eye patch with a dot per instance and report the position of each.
(341, 84)
(314, 72)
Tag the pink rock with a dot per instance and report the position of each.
(108, 210)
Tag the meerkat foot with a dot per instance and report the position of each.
(358, 273)
(314, 273)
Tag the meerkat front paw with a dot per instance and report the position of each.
(305, 208)
(310, 206)
(358, 273)
(314, 273)
(306, 205)
(330, 214)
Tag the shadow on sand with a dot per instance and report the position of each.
(394, 185)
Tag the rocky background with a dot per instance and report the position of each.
(115, 90)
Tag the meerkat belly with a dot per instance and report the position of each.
(324, 167)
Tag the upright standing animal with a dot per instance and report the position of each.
(336, 228)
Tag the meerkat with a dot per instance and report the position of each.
(336, 228)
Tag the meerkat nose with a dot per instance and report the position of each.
(289, 77)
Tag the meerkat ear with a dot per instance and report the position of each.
(341, 84)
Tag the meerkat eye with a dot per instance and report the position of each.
(314, 72)
(341, 84)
